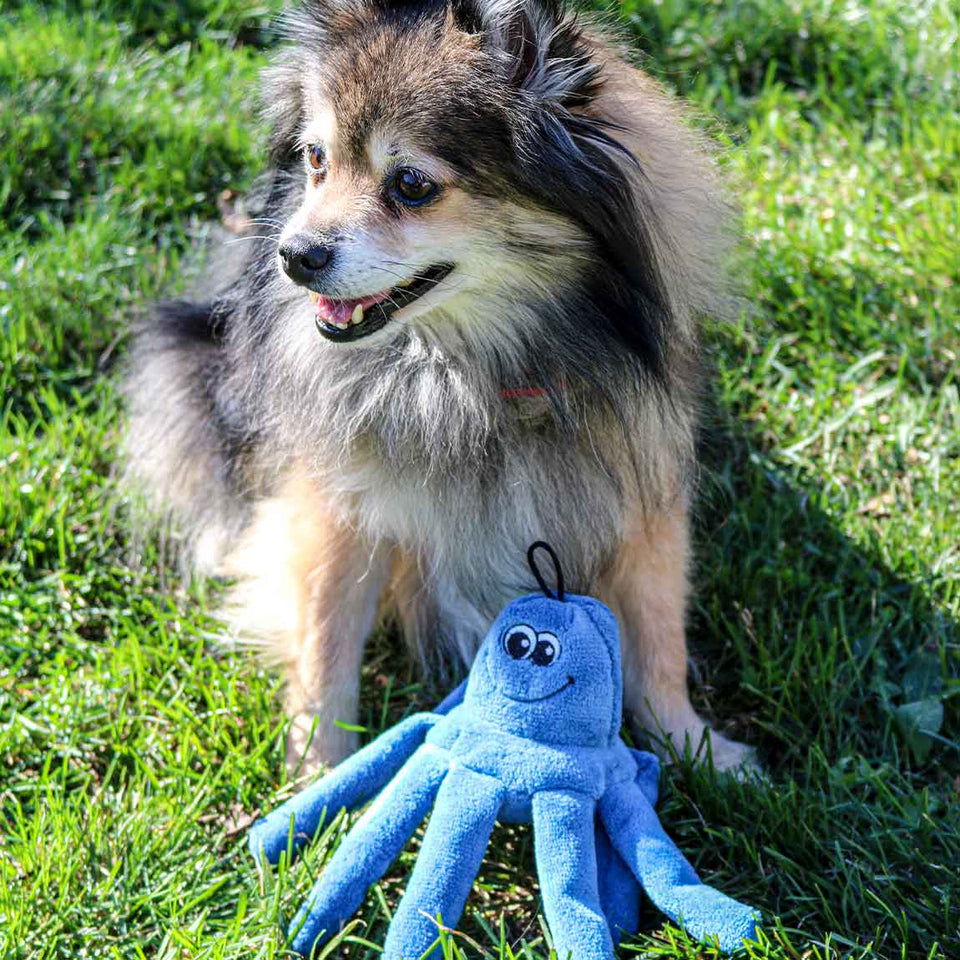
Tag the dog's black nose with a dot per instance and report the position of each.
(303, 257)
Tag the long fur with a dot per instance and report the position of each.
(605, 209)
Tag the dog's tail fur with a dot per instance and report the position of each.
(180, 452)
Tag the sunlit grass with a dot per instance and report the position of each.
(133, 745)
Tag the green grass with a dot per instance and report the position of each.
(826, 622)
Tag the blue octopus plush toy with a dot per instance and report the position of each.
(532, 736)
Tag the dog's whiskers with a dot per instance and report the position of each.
(275, 240)
(418, 276)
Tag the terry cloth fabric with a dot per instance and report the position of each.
(532, 737)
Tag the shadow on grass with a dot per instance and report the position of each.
(838, 670)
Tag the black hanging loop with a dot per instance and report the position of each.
(531, 559)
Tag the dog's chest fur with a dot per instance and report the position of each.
(434, 453)
(470, 524)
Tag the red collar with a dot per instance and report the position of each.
(518, 393)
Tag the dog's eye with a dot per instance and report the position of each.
(546, 651)
(317, 158)
(519, 642)
(412, 187)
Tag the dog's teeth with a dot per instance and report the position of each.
(314, 296)
(357, 314)
(404, 283)
(342, 325)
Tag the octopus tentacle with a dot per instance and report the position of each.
(619, 890)
(666, 875)
(350, 785)
(450, 857)
(369, 848)
(563, 836)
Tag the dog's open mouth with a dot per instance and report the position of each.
(343, 320)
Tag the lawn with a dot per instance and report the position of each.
(133, 741)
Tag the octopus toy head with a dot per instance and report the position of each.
(549, 670)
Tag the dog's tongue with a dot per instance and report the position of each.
(342, 313)
(336, 312)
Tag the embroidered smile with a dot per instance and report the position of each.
(546, 696)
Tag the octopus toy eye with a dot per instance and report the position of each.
(519, 642)
(546, 651)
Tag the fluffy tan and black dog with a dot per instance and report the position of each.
(473, 325)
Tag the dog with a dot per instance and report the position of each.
(466, 319)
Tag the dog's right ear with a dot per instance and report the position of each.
(539, 44)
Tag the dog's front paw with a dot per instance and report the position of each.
(316, 743)
(696, 740)
(730, 756)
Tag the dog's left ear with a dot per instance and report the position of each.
(539, 44)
